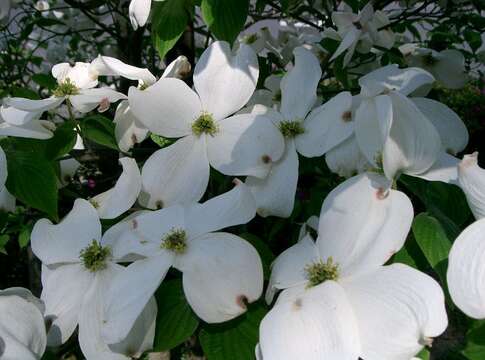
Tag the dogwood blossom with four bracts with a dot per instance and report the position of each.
(339, 301)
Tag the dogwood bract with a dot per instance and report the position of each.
(471, 179)
(221, 272)
(339, 301)
(465, 270)
(77, 267)
(22, 327)
(243, 144)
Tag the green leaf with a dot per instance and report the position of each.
(32, 178)
(225, 18)
(3, 241)
(473, 38)
(433, 241)
(24, 237)
(176, 321)
(45, 80)
(424, 355)
(475, 346)
(236, 339)
(62, 142)
(100, 130)
(169, 21)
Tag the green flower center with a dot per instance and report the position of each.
(205, 124)
(94, 256)
(290, 129)
(175, 240)
(66, 88)
(250, 39)
(320, 272)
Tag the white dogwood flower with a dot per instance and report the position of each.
(75, 84)
(77, 267)
(22, 327)
(447, 66)
(390, 129)
(339, 301)
(359, 31)
(221, 272)
(115, 201)
(243, 144)
(302, 129)
(465, 270)
(129, 130)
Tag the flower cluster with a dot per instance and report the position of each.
(336, 293)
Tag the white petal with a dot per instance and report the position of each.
(234, 207)
(17, 117)
(122, 196)
(7, 201)
(91, 317)
(275, 194)
(3, 167)
(35, 129)
(167, 108)
(246, 144)
(128, 130)
(445, 169)
(452, 130)
(63, 242)
(225, 81)
(471, 179)
(390, 77)
(34, 105)
(177, 174)
(466, 270)
(141, 336)
(349, 41)
(327, 126)
(110, 66)
(129, 292)
(68, 168)
(120, 239)
(312, 324)
(60, 71)
(346, 159)
(179, 68)
(413, 144)
(288, 270)
(90, 99)
(221, 274)
(450, 69)
(22, 328)
(139, 11)
(363, 223)
(63, 293)
(373, 120)
(299, 85)
(398, 309)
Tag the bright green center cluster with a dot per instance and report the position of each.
(319, 272)
(291, 129)
(66, 88)
(94, 256)
(250, 39)
(205, 124)
(175, 240)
